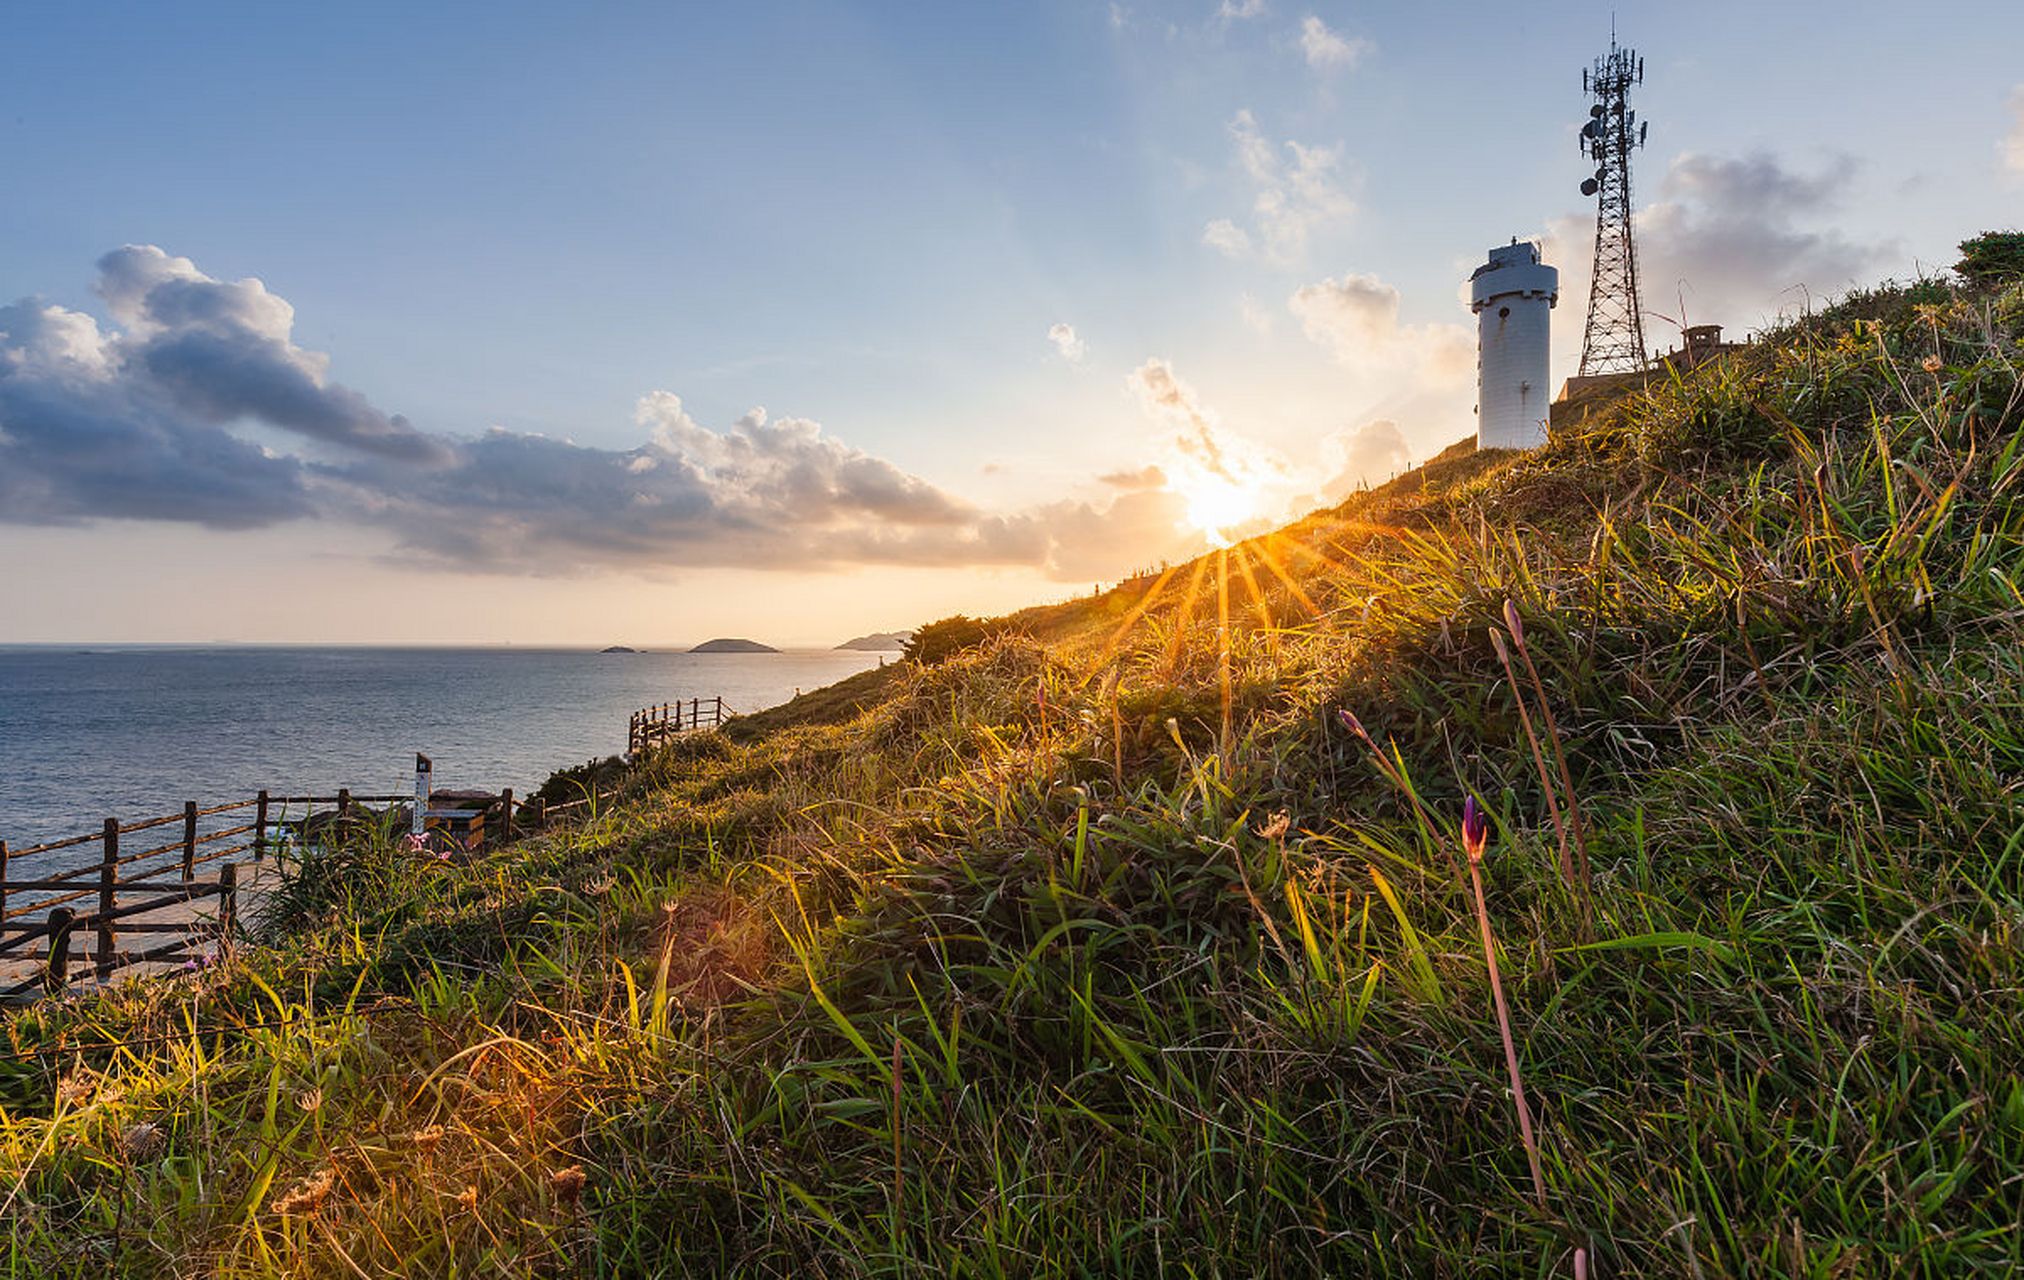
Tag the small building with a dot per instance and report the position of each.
(1512, 295)
(1580, 396)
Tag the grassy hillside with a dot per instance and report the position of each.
(1111, 946)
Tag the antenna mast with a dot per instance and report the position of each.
(1614, 340)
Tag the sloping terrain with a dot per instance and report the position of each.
(1108, 944)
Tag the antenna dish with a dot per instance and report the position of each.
(1589, 186)
(1591, 129)
(1642, 130)
(1595, 111)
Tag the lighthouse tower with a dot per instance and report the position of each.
(1512, 295)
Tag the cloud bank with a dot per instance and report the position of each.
(1730, 240)
(199, 408)
(133, 423)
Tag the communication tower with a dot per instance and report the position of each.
(1614, 340)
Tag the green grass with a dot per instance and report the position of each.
(1003, 966)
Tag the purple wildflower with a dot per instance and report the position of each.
(1475, 829)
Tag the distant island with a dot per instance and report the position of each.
(879, 642)
(733, 646)
(618, 648)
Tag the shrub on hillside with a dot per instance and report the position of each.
(939, 641)
(1994, 257)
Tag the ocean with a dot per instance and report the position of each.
(90, 732)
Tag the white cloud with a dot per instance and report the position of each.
(1227, 238)
(1240, 9)
(1072, 348)
(2013, 146)
(1327, 50)
(1356, 319)
(1298, 194)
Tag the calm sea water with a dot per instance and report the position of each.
(132, 732)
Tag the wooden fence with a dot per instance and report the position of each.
(176, 901)
(653, 727)
(53, 918)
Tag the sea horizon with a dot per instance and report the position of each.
(111, 729)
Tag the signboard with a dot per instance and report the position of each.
(423, 768)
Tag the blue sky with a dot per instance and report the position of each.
(869, 216)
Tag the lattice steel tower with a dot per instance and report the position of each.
(1614, 340)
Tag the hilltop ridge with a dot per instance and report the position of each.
(1139, 931)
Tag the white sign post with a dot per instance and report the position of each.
(422, 770)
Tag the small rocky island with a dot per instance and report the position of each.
(618, 648)
(879, 642)
(722, 645)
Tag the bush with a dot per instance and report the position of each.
(940, 641)
(1992, 258)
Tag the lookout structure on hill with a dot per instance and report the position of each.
(1512, 295)
(1580, 396)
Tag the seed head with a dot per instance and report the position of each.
(568, 1183)
(74, 1090)
(308, 1195)
(1932, 364)
(142, 1142)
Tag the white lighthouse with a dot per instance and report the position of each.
(1512, 295)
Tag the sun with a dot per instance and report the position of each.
(1216, 505)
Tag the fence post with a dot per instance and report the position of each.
(424, 774)
(60, 922)
(189, 839)
(260, 826)
(3, 879)
(720, 708)
(540, 811)
(695, 707)
(344, 802)
(108, 873)
(228, 894)
(506, 815)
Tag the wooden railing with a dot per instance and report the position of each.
(107, 910)
(653, 727)
(138, 906)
